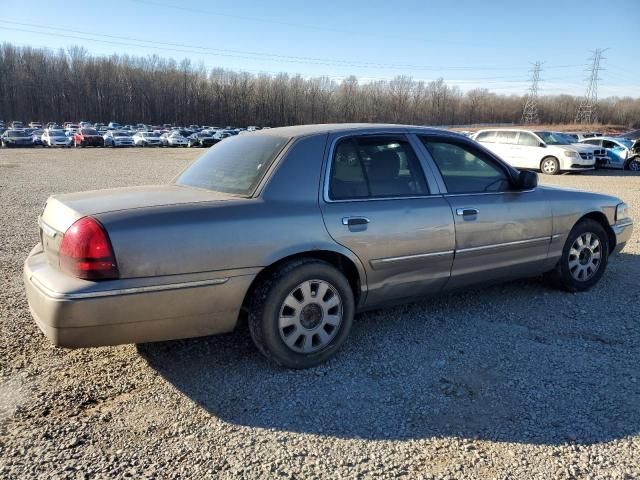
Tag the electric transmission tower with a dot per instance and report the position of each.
(587, 111)
(530, 111)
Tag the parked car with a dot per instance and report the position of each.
(599, 154)
(619, 152)
(16, 125)
(173, 139)
(118, 138)
(146, 139)
(221, 135)
(16, 138)
(202, 139)
(52, 137)
(301, 227)
(35, 125)
(537, 150)
(87, 137)
(114, 126)
(36, 136)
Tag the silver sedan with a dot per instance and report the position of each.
(299, 228)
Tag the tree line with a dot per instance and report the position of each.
(71, 85)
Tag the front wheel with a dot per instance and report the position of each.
(301, 315)
(550, 166)
(634, 164)
(584, 257)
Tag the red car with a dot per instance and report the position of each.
(88, 137)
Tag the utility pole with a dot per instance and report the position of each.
(530, 111)
(587, 111)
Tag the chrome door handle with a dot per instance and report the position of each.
(351, 221)
(467, 211)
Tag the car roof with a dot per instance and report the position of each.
(308, 130)
(503, 129)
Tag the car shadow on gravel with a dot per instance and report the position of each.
(518, 362)
(610, 172)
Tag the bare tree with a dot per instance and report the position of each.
(38, 84)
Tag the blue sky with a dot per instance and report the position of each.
(489, 44)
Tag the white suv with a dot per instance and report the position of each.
(540, 150)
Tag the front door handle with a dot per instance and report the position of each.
(464, 212)
(351, 221)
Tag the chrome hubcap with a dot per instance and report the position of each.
(549, 166)
(310, 316)
(634, 165)
(585, 256)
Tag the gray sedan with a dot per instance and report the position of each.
(299, 228)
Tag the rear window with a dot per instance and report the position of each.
(234, 166)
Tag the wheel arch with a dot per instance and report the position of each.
(601, 218)
(349, 265)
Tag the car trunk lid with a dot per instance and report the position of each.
(62, 211)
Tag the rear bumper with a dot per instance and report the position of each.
(622, 231)
(78, 313)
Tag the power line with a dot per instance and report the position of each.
(530, 111)
(243, 54)
(587, 111)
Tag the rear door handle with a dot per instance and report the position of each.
(351, 221)
(467, 211)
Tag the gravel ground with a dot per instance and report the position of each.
(512, 381)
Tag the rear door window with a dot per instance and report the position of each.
(489, 137)
(510, 138)
(375, 167)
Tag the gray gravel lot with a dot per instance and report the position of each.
(511, 381)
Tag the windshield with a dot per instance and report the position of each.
(56, 133)
(234, 166)
(17, 133)
(553, 138)
(89, 131)
(121, 134)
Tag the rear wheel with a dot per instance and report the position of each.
(584, 257)
(301, 315)
(550, 166)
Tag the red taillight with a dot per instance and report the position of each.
(86, 251)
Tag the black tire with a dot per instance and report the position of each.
(267, 302)
(550, 166)
(563, 276)
(633, 164)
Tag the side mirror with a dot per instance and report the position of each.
(527, 180)
(543, 145)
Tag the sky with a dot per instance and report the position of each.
(472, 44)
